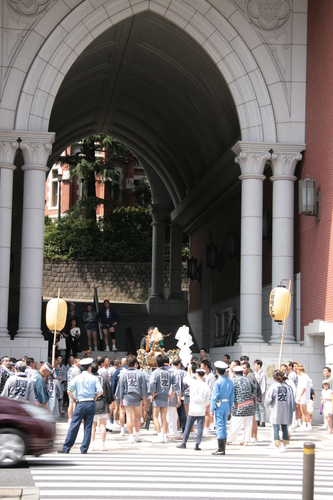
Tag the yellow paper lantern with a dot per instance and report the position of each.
(279, 303)
(56, 314)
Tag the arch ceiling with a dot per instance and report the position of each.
(148, 83)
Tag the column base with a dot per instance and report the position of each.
(157, 305)
(28, 332)
(4, 333)
(276, 339)
(250, 338)
(33, 347)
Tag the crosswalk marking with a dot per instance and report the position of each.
(138, 476)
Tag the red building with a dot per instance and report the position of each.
(119, 191)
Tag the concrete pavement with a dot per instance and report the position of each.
(117, 445)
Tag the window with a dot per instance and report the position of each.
(54, 188)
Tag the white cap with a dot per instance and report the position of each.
(48, 367)
(220, 364)
(238, 369)
(86, 361)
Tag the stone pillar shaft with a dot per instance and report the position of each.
(283, 167)
(159, 214)
(251, 159)
(8, 148)
(157, 270)
(35, 151)
(175, 290)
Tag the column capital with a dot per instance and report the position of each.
(8, 148)
(284, 164)
(36, 147)
(35, 154)
(252, 158)
(159, 213)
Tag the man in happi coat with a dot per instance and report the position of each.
(243, 408)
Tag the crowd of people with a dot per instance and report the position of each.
(106, 318)
(114, 394)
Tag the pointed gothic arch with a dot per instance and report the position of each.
(229, 49)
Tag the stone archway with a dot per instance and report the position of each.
(228, 35)
(208, 27)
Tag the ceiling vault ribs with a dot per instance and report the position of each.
(148, 83)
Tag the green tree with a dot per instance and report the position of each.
(125, 235)
(87, 162)
(142, 193)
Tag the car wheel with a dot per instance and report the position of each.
(12, 447)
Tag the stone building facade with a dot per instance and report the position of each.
(227, 105)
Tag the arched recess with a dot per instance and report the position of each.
(208, 27)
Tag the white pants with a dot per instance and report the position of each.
(172, 419)
(236, 425)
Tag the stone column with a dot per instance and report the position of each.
(284, 161)
(178, 306)
(36, 148)
(175, 290)
(8, 148)
(156, 301)
(251, 158)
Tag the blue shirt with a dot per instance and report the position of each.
(223, 388)
(41, 394)
(85, 385)
(90, 325)
(115, 378)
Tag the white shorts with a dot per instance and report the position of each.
(327, 410)
(103, 415)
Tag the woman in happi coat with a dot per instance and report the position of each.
(281, 399)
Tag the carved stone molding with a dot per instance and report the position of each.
(284, 158)
(284, 164)
(252, 158)
(268, 14)
(35, 154)
(28, 7)
(8, 150)
(159, 213)
(252, 164)
(272, 20)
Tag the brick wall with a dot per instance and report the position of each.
(313, 251)
(119, 281)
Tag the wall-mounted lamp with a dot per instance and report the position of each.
(232, 244)
(309, 198)
(211, 256)
(193, 270)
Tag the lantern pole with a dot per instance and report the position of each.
(284, 324)
(55, 331)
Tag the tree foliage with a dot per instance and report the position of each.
(86, 162)
(123, 236)
(142, 193)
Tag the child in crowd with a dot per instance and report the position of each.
(326, 400)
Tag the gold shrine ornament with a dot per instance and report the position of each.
(56, 314)
(279, 303)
